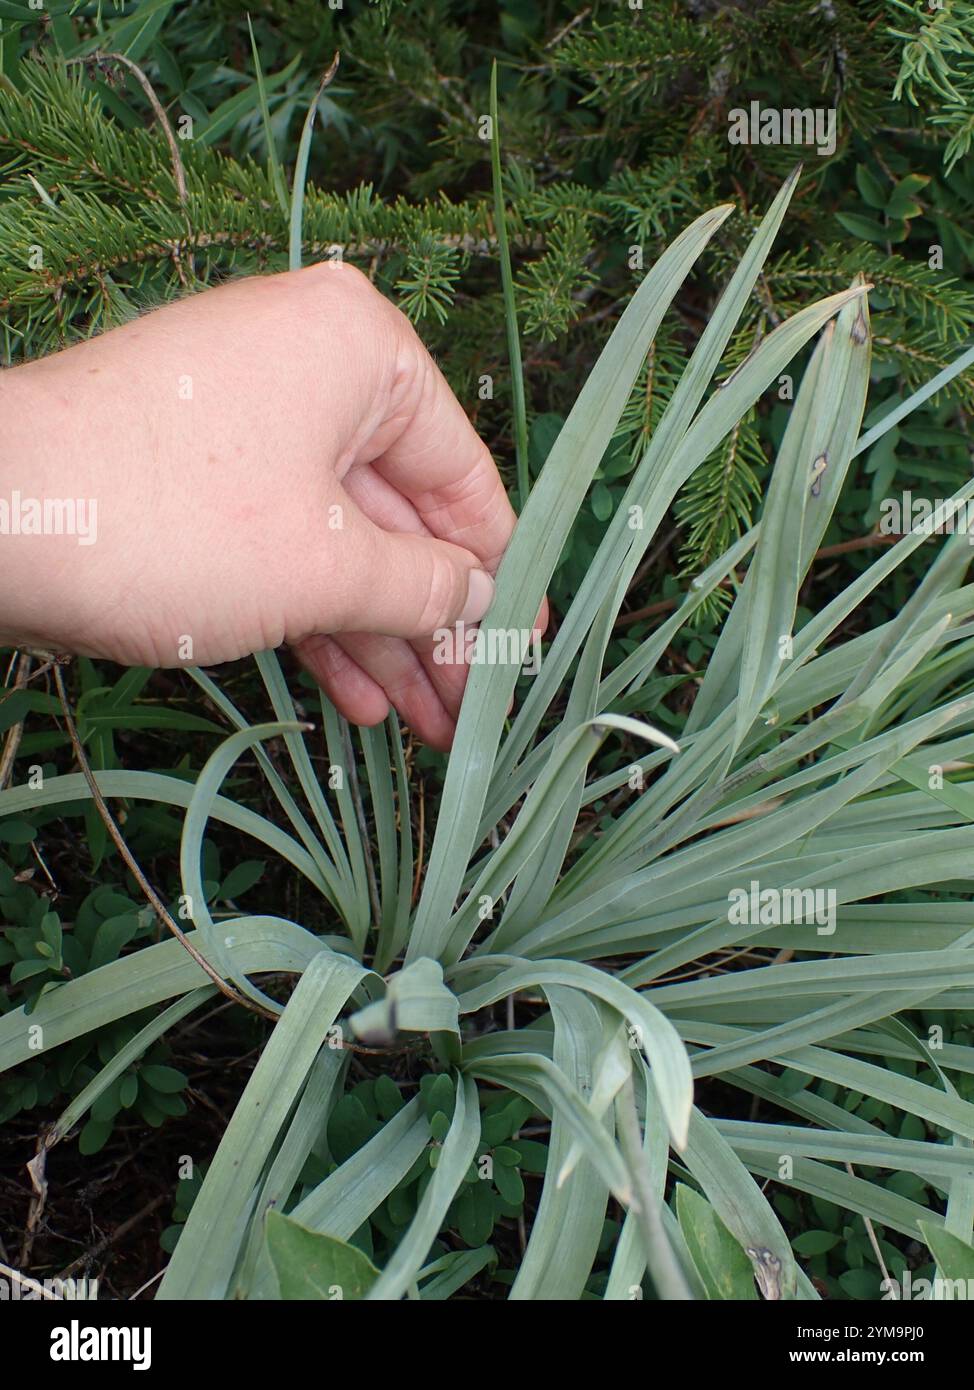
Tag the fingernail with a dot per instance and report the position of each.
(480, 595)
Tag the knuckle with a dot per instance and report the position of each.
(340, 272)
(331, 284)
(443, 599)
(405, 684)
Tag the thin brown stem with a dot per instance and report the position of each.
(179, 173)
(159, 907)
(15, 733)
(826, 552)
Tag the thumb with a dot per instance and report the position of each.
(409, 585)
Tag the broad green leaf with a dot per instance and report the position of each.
(721, 1263)
(314, 1267)
(742, 1207)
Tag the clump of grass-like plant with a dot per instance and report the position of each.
(802, 768)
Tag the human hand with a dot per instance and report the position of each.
(277, 460)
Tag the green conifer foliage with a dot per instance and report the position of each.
(614, 128)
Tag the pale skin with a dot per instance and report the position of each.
(275, 461)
